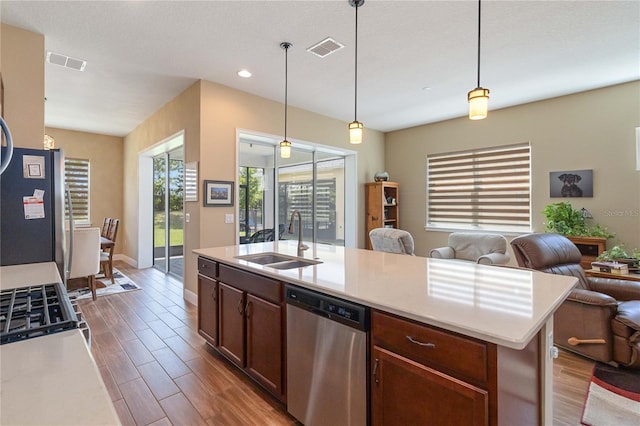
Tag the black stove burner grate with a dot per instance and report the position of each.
(34, 311)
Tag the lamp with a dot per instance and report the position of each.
(478, 97)
(285, 145)
(356, 127)
(49, 142)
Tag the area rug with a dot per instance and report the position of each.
(105, 287)
(613, 397)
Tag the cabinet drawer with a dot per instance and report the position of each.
(207, 267)
(266, 288)
(457, 355)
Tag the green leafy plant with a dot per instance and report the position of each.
(619, 253)
(563, 219)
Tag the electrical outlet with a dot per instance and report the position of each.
(187, 217)
(228, 218)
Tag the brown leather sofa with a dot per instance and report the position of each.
(597, 308)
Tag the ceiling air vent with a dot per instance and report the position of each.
(325, 47)
(66, 61)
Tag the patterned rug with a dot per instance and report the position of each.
(105, 287)
(613, 397)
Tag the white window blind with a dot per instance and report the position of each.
(487, 189)
(76, 172)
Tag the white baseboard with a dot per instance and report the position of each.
(126, 259)
(190, 297)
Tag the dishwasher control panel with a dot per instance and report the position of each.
(342, 311)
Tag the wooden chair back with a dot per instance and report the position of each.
(105, 227)
(113, 230)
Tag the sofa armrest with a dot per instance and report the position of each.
(494, 259)
(443, 253)
(620, 290)
(589, 297)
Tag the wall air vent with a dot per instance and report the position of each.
(66, 61)
(325, 47)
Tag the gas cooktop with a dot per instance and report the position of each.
(34, 311)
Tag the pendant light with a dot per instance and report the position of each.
(285, 145)
(478, 97)
(356, 127)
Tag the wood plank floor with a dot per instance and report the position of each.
(159, 371)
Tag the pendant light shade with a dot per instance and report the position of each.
(355, 127)
(478, 97)
(355, 132)
(285, 145)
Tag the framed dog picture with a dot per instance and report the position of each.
(218, 193)
(571, 184)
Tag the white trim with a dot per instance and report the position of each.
(190, 297)
(126, 259)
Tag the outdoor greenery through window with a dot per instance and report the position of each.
(76, 173)
(488, 189)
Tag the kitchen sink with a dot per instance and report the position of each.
(277, 260)
(265, 258)
(294, 264)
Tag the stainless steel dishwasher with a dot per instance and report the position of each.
(326, 359)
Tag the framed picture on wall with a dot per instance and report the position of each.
(218, 193)
(575, 183)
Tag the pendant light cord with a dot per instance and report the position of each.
(479, 43)
(355, 109)
(286, 80)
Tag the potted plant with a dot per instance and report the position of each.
(563, 219)
(618, 253)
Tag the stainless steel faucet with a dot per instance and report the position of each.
(301, 246)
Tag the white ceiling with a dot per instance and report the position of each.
(416, 59)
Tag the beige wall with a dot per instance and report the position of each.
(181, 113)
(23, 78)
(590, 130)
(211, 115)
(105, 155)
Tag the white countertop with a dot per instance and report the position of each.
(30, 274)
(50, 380)
(502, 305)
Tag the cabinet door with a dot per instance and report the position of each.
(232, 328)
(264, 343)
(208, 309)
(404, 392)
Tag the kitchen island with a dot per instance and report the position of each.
(52, 379)
(502, 316)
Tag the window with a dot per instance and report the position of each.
(76, 173)
(488, 189)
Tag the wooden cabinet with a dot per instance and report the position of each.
(590, 248)
(382, 206)
(208, 309)
(423, 375)
(232, 327)
(249, 327)
(208, 301)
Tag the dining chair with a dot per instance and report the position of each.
(85, 259)
(106, 255)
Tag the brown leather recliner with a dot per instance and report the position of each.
(597, 308)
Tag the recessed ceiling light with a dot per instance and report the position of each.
(244, 73)
(425, 88)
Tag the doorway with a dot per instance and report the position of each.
(168, 212)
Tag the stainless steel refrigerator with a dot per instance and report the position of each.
(32, 208)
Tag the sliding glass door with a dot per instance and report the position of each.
(168, 212)
(311, 181)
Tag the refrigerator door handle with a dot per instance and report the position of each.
(67, 273)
